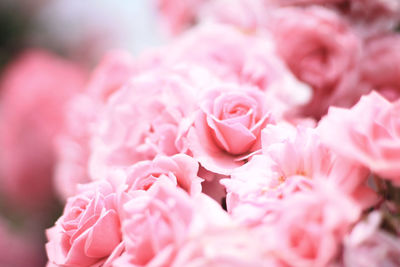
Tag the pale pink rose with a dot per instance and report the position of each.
(226, 115)
(293, 160)
(368, 133)
(225, 247)
(73, 144)
(157, 222)
(378, 69)
(323, 52)
(115, 68)
(226, 57)
(249, 16)
(89, 231)
(307, 228)
(370, 17)
(178, 15)
(302, 153)
(18, 248)
(144, 119)
(367, 245)
(179, 169)
(34, 91)
(306, 2)
(239, 58)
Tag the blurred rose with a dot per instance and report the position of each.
(155, 220)
(239, 58)
(179, 15)
(241, 248)
(249, 16)
(304, 2)
(135, 125)
(322, 51)
(373, 17)
(367, 245)
(307, 228)
(378, 69)
(369, 17)
(73, 143)
(369, 134)
(34, 89)
(158, 222)
(114, 69)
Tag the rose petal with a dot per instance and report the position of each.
(104, 236)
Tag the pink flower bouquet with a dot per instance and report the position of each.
(265, 133)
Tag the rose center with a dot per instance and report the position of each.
(235, 111)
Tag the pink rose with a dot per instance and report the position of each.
(307, 2)
(226, 115)
(34, 91)
(240, 58)
(115, 68)
(226, 57)
(323, 52)
(249, 16)
(370, 17)
(88, 233)
(293, 160)
(378, 71)
(367, 245)
(159, 221)
(73, 143)
(179, 169)
(307, 228)
(144, 119)
(368, 133)
(178, 15)
(228, 246)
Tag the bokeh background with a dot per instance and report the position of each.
(42, 41)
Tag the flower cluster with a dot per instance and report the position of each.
(267, 134)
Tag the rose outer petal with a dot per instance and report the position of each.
(238, 138)
(76, 254)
